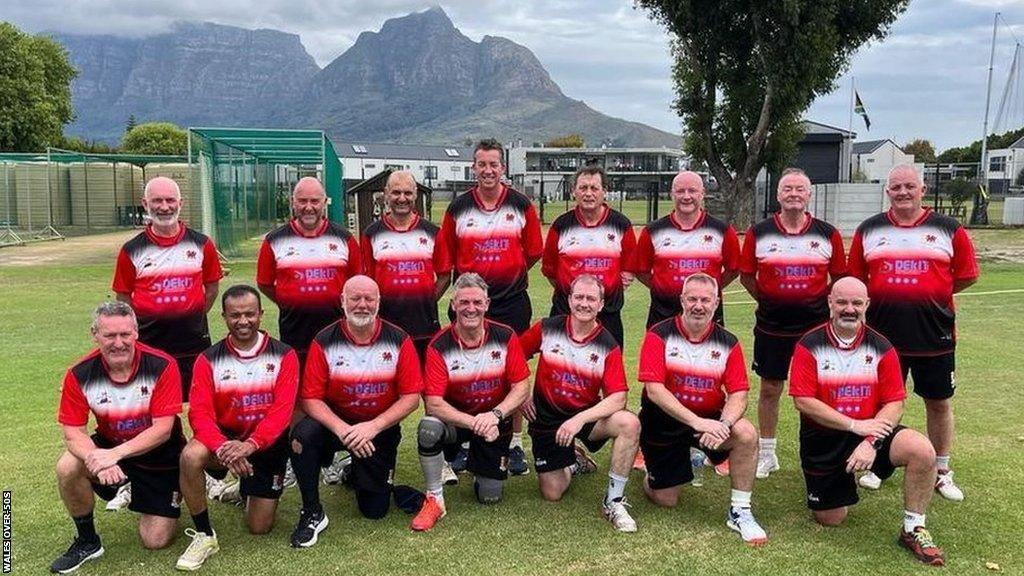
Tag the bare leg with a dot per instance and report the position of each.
(768, 407)
(260, 514)
(742, 447)
(73, 482)
(939, 417)
(910, 449)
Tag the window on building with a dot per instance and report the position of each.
(451, 152)
(997, 164)
(394, 167)
(359, 149)
(430, 172)
(370, 166)
(869, 160)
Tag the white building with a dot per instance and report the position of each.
(874, 158)
(436, 166)
(1005, 167)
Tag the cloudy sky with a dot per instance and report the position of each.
(927, 79)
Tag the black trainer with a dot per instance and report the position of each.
(460, 461)
(517, 462)
(309, 527)
(80, 552)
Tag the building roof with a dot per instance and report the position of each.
(869, 146)
(1019, 143)
(451, 153)
(376, 184)
(810, 126)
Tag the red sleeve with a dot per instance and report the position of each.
(628, 249)
(530, 340)
(436, 374)
(202, 413)
(748, 256)
(266, 265)
(965, 263)
(355, 261)
(890, 378)
(166, 400)
(549, 262)
(410, 379)
(516, 369)
(856, 265)
(279, 415)
(614, 377)
(74, 407)
(803, 373)
(533, 243)
(124, 274)
(652, 359)
(314, 380)
(444, 246)
(212, 272)
(730, 250)
(643, 262)
(837, 267)
(735, 375)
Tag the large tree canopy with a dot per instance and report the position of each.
(35, 91)
(155, 138)
(746, 70)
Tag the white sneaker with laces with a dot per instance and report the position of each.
(332, 474)
(201, 548)
(616, 513)
(289, 475)
(448, 476)
(767, 462)
(948, 489)
(870, 481)
(742, 520)
(215, 487)
(232, 494)
(120, 500)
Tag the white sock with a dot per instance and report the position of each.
(912, 520)
(438, 495)
(740, 499)
(616, 487)
(767, 445)
(942, 462)
(517, 440)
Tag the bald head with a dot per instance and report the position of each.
(162, 185)
(848, 302)
(905, 189)
(400, 178)
(687, 195)
(309, 203)
(309, 185)
(400, 194)
(688, 179)
(162, 201)
(360, 298)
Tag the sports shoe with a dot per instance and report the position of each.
(767, 462)
(584, 463)
(517, 462)
(289, 475)
(723, 468)
(120, 500)
(333, 473)
(698, 461)
(215, 487)
(947, 488)
(309, 527)
(461, 460)
(870, 481)
(742, 520)
(232, 494)
(429, 514)
(920, 544)
(201, 548)
(616, 513)
(638, 462)
(80, 552)
(448, 476)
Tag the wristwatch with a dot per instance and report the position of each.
(875, 442)
(498, 413)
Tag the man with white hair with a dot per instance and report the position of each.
(362, 379)
(913, 260)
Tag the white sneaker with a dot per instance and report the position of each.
(289, 475)
(333, 473)
(448, 476)
(617, 514)
(870, 481)
(947, 488)
(201, 548)
(215, 487)
(767, 462)
(742, 520)
(232, 494)
(120, 500)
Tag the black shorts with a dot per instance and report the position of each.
(823, 455)
(268, 466)
(185, 364)
(373, 474)
(772, 354)
(548, 455)
(421, 345)
(153, 476)
(611, 321)
(665, 443)
(933, 375)
(486, 459)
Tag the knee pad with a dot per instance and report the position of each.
(432, 435)
(488, 490)
(373, 505)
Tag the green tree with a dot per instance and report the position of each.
(746, 70)
(78, 144)
(155, 138)
(35, 91)
(972, 152)
(567, 141)
(130, 124)
(923, 150)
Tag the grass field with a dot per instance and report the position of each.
(44, 318)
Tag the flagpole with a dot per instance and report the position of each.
(853, 90)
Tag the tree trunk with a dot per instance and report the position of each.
(738, 196)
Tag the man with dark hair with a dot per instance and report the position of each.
(134, 393)
(786, 264)
(591, 239)
(243, 395)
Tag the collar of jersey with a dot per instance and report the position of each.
(604, 216)
(463, 345)
(778, 224)
(254, 353)
(920, 220)
(343, 324)
(135, 366)
(390, 226)
(702, 338)
(572, 337)
(316, 233)
(165, 241)
(475, 191)
(835, 340)
(700, 220)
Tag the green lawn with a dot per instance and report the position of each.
(45, 316)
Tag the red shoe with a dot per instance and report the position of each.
(429, 514)
(920, 543)
(723, 468)
(638, 462)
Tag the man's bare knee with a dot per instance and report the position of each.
(830, 518)
(296, 447)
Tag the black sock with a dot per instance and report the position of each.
(86, 528)
(307, 476)
(202, 522)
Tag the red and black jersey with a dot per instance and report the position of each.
(574, 374)
(475, 380)
(910, 271)
(123, 410)
(360, 381)
(404, 264)
(699, 373)
(496, 244)
(307, 273)
(165, 280)
(855, 379)
(243, 397)
(603, 250)
(669, 253)
(792, 272)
